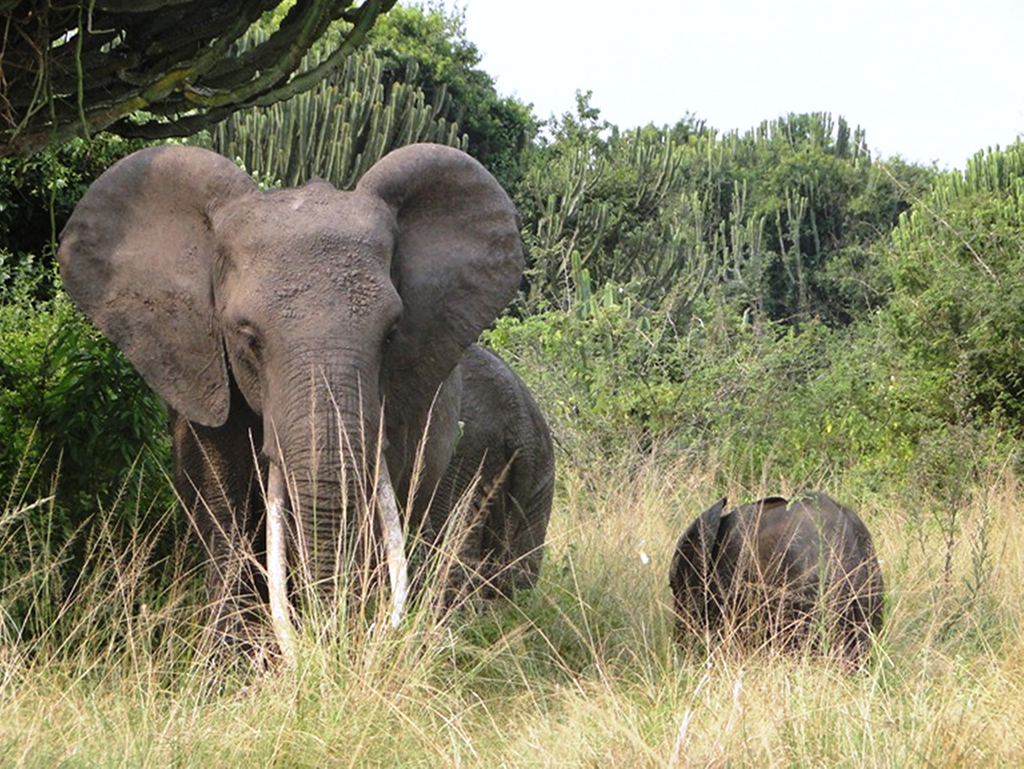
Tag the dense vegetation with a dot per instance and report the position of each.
(704, 312)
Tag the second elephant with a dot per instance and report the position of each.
(779, 570)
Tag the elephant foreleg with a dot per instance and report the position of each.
(216, 480)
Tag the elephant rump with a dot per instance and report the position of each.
(797, 574)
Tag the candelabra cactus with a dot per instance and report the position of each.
(335, 131)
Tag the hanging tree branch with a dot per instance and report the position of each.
(155, 68)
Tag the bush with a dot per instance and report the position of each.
(614, 375)
(77, 422)
(957, 264)
(811, 404)
(38, 192)
(607, 375)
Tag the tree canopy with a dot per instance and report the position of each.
(426, 47)
(157, 68)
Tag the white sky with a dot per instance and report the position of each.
(931, 80)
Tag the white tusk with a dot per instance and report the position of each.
(277, 564)
(394, 544)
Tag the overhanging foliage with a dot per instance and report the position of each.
(79, 68)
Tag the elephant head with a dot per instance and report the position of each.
(319, 313)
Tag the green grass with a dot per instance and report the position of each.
(580, 672)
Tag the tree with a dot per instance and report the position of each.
(334, 131)
(781, 222)
(154, 69)
(957, 314)
(39, 191)
(426, 47)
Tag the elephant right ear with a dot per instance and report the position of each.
(138, 256)
(697, 549)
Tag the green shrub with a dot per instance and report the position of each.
(806, 405)
(608, 376)
(38, 192)
(79, 429)
(957, 265)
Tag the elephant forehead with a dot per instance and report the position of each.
(302, 227)
(295, 247)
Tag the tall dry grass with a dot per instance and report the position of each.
(582, 671)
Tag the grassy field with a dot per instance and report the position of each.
(581, 672)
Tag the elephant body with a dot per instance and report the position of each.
(504, 449)
(780, 571)
(324, 339)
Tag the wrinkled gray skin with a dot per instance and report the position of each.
(504, 440)
(780, 571)
(250, 311)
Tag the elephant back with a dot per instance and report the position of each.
(778, 568)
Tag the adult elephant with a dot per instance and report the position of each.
(298, 334)
(783, 571)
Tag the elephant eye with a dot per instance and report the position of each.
(249, 338)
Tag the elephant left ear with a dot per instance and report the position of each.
(457, 258)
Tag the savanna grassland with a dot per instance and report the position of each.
(704, 312)
(583, 671)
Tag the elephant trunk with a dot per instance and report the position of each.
(339, 487)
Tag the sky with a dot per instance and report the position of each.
(931, 81)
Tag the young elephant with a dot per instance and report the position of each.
(780, 571)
